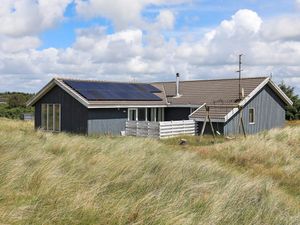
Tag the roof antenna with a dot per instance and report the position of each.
(240, 75)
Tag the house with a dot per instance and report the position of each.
(101, 107)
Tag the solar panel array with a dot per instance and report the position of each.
(108, 91)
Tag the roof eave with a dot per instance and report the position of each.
(41, 93)
(281, 94)
(86, 103)
(52, 84)
(274, 87)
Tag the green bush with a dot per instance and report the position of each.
(15, 104)
(17, 100)
(14, 113)
(292, 112)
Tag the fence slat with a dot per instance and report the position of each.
(160, 129)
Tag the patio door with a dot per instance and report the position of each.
(132, 114)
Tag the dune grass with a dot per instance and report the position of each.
(66, 179)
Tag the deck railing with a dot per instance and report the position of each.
(160, 129)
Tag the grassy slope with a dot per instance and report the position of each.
(64, 179)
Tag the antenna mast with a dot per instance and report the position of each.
(240, 75)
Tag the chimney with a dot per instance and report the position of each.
(177, 84)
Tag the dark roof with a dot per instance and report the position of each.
(198, 92)
(158, 91)
(114, 91)
(192, 94)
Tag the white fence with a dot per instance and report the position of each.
(160, 129)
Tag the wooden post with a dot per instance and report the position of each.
(204, 124)
(241, 122)
(243, 127)
(211, 125)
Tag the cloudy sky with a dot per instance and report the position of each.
(147, 40)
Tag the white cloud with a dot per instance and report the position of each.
(282, 28)
(124, 13)
(28, 17)
(149, 56)
(166, 19)
(18, 44)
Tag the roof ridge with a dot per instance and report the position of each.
(99, 81)
(220, 79)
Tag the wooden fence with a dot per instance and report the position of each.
(160, 129)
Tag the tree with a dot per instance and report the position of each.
(17, 100)
(292, 112)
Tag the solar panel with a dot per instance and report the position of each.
(105, 91)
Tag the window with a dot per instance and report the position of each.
(146, 114)
(57, 117)
(251, 116)
(44, 116)
(142, 114)
(50, 118)
(160, 114)
(132, 114)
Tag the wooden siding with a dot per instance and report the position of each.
(73, 114)
(269, 113)
(106, 121)
(108, 126)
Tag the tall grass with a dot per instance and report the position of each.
(275, 154)
(64, 179)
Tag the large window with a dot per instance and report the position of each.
(251, 116)
(146, 114)
(51, 117)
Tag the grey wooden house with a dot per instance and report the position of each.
(98, 107)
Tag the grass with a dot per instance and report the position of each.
(293, 123)
(66, 179)
(195, 140)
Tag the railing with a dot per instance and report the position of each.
(160, 129)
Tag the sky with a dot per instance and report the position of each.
(147, 40)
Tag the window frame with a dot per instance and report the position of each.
(151, 114)
(46, 127)
(54, 118)
(253, 112)
(136, 114)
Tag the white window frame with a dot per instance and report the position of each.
(46, 128)
(253, 115)
(136, 114)
(54, 114)
(160, 111)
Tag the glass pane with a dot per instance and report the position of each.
(153, 114)
(50, 117)
(132, 114)
(251, 115)
(44, 116)
(57, 117)
(142, 114)
(149, 114)
(160, 114)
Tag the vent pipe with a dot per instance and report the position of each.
(177, 84)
